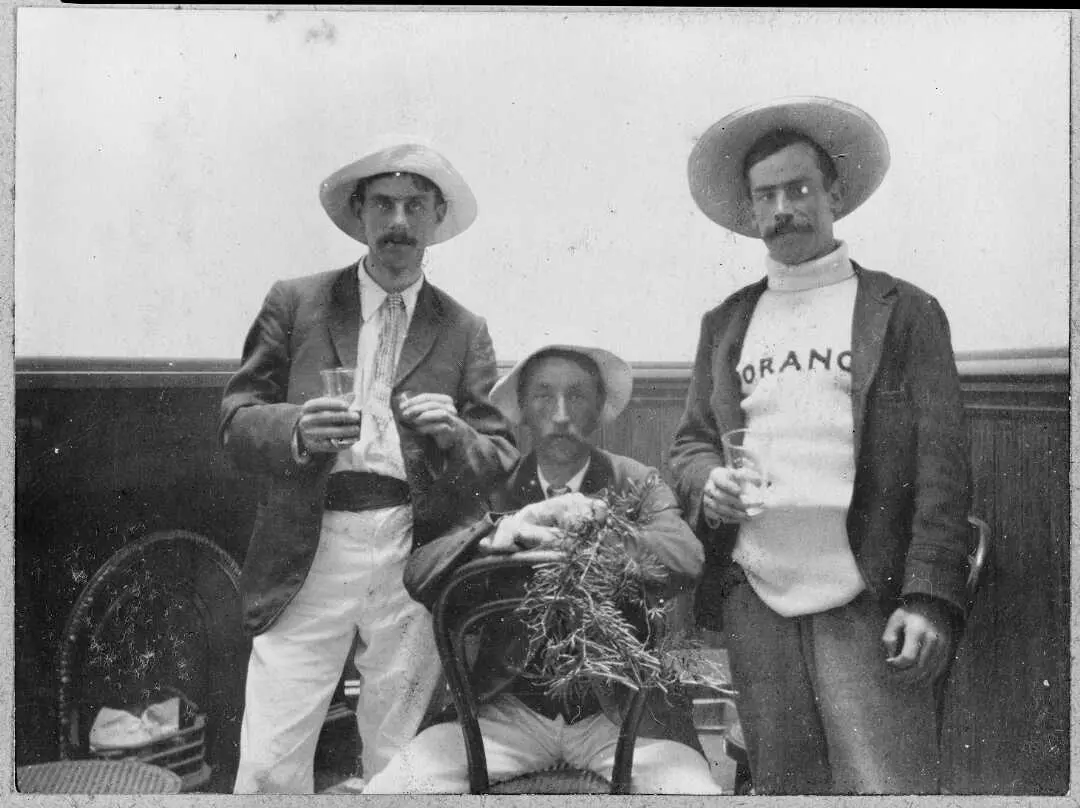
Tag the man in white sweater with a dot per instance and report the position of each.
(841, 600)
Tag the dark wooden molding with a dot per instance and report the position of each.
(1037, 371)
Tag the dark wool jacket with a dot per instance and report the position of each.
(907, 519)
(503, 652)
(311, 323)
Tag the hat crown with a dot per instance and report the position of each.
(336, 191)
(616, 374)
(849, 135)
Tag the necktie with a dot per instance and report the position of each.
(391, 333)
(557, 490)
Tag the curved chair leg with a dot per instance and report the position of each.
(624, 750)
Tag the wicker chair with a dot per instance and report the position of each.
(160, 618)
(490, 589)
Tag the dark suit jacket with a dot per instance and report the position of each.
(907, 522)
(503, 651)
(311, 323)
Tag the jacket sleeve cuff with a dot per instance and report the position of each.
(935, 582)
(299, 453)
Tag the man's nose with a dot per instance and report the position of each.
(397, 215)
(561, 415)
(781, 205)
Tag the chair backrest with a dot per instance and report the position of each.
(161, 615)
(488, 589)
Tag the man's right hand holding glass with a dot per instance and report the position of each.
(720, 499)
(327, 425)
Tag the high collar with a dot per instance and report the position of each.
(830, 268)
(344, 318)
(574, 483)
(524, 484)
(372, 295)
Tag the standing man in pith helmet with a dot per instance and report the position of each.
(354, 488)
(842, 598)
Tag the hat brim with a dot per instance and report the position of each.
(616, 374)
(336, 190)
(852, 138)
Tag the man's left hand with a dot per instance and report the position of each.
(918, 639)
(434, 415)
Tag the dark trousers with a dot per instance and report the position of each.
(821, 711)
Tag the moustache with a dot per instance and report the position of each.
(397, 238)
(564, 434)
(788, 228)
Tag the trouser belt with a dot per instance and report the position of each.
(364, 491)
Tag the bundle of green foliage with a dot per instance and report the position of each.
(595, 615)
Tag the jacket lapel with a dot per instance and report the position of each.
(874, 301)
(425, 327)
(727, 390)
(523, 486)
(600, 475)
(343, 319)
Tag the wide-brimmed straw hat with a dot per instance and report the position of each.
(617, 377)
(851, 137)
(413, 158)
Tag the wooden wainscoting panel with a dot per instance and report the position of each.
(1006, 723)
(109, 452)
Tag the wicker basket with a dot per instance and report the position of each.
(183, 752)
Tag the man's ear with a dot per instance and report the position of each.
(440, 212)
(836, 198)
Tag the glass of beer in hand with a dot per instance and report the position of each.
(340, 383)
(747, 453)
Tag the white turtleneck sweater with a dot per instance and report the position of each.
(795, 368)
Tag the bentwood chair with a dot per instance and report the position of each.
(490, 589)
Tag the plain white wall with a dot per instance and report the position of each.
(167, 164)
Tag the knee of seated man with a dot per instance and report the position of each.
(430, 763)
(669, 767)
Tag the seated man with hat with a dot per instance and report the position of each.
(560, 393)
(354, 488)
(841, 600)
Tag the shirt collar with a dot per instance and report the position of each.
(372, 295)
(574, 483)
(830, 268)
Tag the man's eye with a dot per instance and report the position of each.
(414, 206)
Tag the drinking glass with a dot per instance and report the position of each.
(747, 452)
(341, 383)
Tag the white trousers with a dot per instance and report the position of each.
(519, 740)
(354, 589)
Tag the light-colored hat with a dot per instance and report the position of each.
(413, 158)
(851, 137)
(616, 374)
